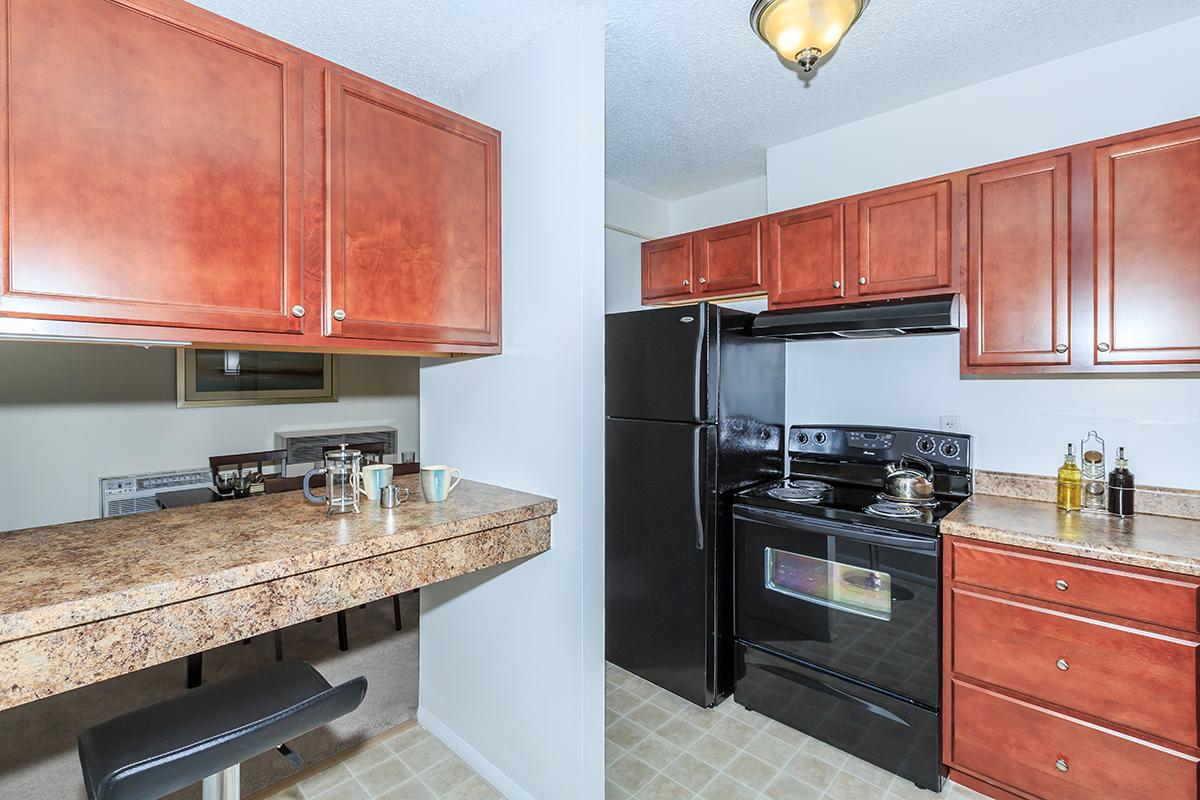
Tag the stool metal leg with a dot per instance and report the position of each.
(225, 785)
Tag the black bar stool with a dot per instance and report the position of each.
(207, 733)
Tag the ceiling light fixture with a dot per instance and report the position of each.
(804, 30)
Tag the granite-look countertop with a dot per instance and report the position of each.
(1144, 540)
(65, 575)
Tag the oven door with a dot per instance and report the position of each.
(854, 599)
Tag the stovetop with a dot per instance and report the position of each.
(838, 473)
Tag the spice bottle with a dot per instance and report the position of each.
(1070, 482)
(1120, 487)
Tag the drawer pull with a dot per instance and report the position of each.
(1062, 765)
(1061, 585)
(1062, 664)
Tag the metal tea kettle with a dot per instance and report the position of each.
(904, 483)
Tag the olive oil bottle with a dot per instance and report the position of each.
(1070, 482)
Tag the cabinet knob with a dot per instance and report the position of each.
(1103, 347)
(862, 281)
(1060, 348)
(1061, 585)
(704, 280)
(837, 284)
(297, 311)
(1062, 664)
(339, 315)
(1061, 765)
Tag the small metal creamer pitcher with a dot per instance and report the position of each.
(343, 481)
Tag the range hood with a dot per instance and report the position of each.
(875, 320)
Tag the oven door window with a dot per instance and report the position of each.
(845, 587)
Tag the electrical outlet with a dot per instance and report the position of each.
(951, 423)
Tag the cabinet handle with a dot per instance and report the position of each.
(837, 284)
(1061, 585)
(1061, 348)
(1103, 347)
(704, 280)
(1062, 664)
(687, 282)
(297, 311)
(339, 315)
(1061, 765)
(862, 281)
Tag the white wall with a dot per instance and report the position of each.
(622, 271)
(512, 658)
(736, 201)
(71, 414)
(635, 212)
(1020, 424)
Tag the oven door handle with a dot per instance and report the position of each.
(900, 541)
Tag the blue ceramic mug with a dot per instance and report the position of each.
(438, 481)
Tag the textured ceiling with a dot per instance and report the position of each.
(694, 97)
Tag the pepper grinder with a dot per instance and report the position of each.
(1120, 487)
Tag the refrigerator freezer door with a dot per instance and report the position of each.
(659, 598)
(655, 364)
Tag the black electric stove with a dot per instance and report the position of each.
(837, 593)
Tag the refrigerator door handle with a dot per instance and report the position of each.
(698, 473)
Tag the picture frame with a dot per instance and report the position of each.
(210, 378)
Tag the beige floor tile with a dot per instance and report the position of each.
(630, 773)
(725, 788)
(447, 775)
(411, 789)
(622, 701)
(690, 772)
(346, 790)
(385, 775)
(364, 760)
(421, 757)
(713, 750)
(903, 789)
(826, 752)
(785, 787)
(876, 776)
(615, 674)
(610, 717)
(679, 733)
(625, 734)
(649, 716)
(754, 772)
(641, 687)
(406, 739)
(657, 751)
(614, 792)
(810, 769)
(958, 792)
(736, 733)
(702, 718)
(311, 787)
(475, 789)
(784, 733)
(663, 788)
(847, 787)
(612, 751)
(771, 750)
(669, 702)
(290, 793)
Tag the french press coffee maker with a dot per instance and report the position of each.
(343, 481)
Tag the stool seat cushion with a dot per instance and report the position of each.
(155, 750)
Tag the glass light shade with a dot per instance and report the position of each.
(804, 30)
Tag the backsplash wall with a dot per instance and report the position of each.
(70, 414)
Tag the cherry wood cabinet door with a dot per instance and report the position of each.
(668, 268)
(904, 240)
(806, 255)
(1018, 264)
(413, 214)
(730, 259)
(1148, 250)
(151, 167)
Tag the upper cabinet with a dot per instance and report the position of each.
(1019, 264)
(153, 168)
(730, 258)
(414, 238)
(1147, 261)
(173, 175)
(806, 255)
(904, 240)
(668, 266)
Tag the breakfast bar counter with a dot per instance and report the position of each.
(86, 601)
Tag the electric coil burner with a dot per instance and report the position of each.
(837, 599)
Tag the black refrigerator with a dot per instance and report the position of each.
(695, 411)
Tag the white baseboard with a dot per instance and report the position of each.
(484, 768)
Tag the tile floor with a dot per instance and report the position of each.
(412, 765)
(661, 747)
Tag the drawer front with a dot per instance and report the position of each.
(1160, 600)
(1028, 748)
(1141, 680)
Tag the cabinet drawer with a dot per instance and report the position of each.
(1141, 680)
(1159, 600)
(1027, 748)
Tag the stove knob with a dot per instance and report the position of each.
(820, 437)
(950, 449)
(802, 438)
(925, 444)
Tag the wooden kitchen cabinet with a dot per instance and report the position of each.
(1147, 259)
(806, 255)
(414, 223)
(904, 240)
(668, 269)
(1019, 264)
(1061, 680)
(152, 167)
(729, 259)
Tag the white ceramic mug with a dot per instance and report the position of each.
(375, 477)
(436, 483)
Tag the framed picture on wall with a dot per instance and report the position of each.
(206, 378)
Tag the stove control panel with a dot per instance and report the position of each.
(869, 444)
